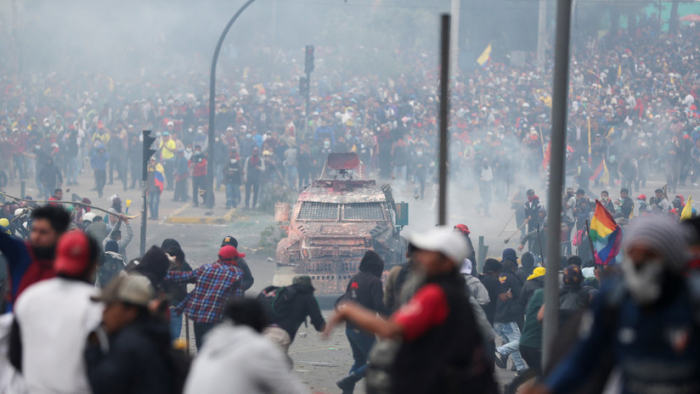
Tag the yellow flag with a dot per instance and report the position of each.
(687, 212)
(485, 56)
(612, 130)
(619, 70)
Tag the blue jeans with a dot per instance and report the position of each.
(219, 174)
(400, 174)
(153, 203)
(361, 344)
(510, 334)
(233, 195)
(175, 325)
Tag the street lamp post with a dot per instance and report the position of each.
(209, 201)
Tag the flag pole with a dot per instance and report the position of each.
(590, 159)
(590, 241)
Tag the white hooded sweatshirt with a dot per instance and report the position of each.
(236, 359)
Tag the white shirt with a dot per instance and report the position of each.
(236, 359)
(55, 317)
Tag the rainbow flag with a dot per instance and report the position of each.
(606, 236)
(601, 173)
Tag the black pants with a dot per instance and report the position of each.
(200, 330)
(169, 167)
(100, 179)
(181, 190)
(198, 182)
(253, 185)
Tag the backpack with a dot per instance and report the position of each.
(277, 301)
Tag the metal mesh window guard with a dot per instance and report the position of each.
(364, 211)
(318, 211)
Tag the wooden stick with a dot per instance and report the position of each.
(69, 202)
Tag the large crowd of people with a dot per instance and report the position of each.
(433, 325)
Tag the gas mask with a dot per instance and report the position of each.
(644, 281)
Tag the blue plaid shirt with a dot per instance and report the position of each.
(214, 285)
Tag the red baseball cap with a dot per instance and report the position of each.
(463, 229)
(228, 252)
(641, 197)
(72, 254)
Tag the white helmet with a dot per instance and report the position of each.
(89, 217)
(19, 211)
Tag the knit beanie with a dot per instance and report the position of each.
(663, 235)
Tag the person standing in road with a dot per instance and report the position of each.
(156, 180)
(198, 166)
(364, 289)
(232, 179)
(176, 291)
(182, 172)
(252, 171)
(98, 162)
(214, 285)
(167, 154)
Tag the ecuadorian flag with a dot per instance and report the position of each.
(606, 236)
(159, 176)
(601, 173)
(485, 58)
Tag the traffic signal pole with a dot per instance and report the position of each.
(147, 153)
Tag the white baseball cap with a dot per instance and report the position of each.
(444, 240)
(89, 216)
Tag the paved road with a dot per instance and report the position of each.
(318, 363)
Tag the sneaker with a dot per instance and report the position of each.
(500, 360)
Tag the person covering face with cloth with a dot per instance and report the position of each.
(441, 346)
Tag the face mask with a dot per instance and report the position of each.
(197, 152)
(326, 145)
(419, 154)
(233, 161)
(190, 130)
(249, 136)
(200, 131)
(188, 150)
(644, 282)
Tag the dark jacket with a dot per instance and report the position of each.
(304, 304)
(455, 351)
(177, 291)
(247, 280)
(137, 361)
(365, 287)
(110, 268)
(509, 311)
(529, 289)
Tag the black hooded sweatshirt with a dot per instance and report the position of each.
(365, 287)
(304, 304)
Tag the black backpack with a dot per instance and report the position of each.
(277, 301)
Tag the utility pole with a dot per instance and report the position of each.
(556, 176)
(542, 35)
(209, 201)
(454, 37)
(444, 111)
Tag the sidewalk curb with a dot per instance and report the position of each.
(175, 219)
